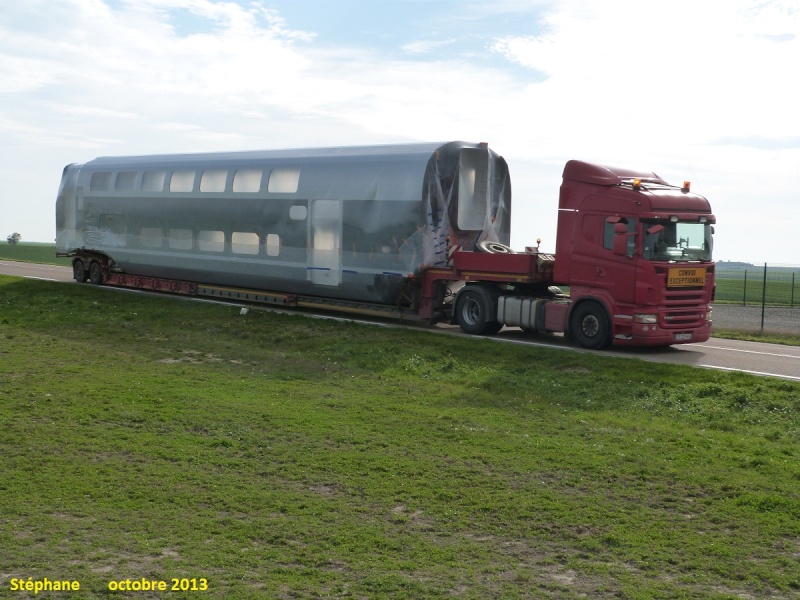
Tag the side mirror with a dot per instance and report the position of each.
(621, 239)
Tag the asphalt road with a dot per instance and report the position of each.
(728, 355)
(35, 271)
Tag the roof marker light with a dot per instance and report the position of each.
(637, 184)
(686, 186)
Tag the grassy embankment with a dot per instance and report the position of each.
(283, 456)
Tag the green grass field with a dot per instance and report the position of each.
(32, 252)
(270, 455)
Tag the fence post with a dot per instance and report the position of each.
(763, 297)
(791, 303)
(744, 295)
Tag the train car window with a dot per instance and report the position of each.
(180, 239)
(153, 181)
(211, 241)
(151, 237)
(182, 181)
(126, 181)
(213, 180)
(298, 213)
(283, 181)
(101, 182)
(244, 243)
(247, 180)
(273, 244)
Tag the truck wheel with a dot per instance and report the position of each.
(79, 271)
(476, 312)
(590, 327)
(95, 274)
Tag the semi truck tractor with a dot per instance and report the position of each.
(413, 231)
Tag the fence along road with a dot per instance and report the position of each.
(758, 298)
(728, 355)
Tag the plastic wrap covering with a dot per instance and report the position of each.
(349, 223)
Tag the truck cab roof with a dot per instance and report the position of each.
(584, 172)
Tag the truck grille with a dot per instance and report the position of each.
(686, 308)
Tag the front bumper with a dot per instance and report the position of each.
(638, 334)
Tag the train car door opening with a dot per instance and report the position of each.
(473, 188)
(325, 258)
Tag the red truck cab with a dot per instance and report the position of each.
(636, 253)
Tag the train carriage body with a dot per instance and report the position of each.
(351, 223)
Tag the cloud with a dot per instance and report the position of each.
(693, 90)
(714, 68)
(425, 46)
(131, 63)
(762, 143)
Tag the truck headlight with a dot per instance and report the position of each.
(645, 318)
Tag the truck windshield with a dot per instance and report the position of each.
(680, 241)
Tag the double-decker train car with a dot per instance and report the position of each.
(352, 223)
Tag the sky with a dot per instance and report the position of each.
(698, 90)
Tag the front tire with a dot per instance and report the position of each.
(476, 312)
(590, 326)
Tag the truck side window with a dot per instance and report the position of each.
(608, 234)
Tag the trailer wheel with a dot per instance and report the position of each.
(79, 271)
(476, 311)
(95, 274)
(589, 325)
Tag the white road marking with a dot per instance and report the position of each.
(749, 351)
(751, 372)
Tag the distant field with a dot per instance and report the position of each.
(270, 455)
(747, 287)
(31, 252)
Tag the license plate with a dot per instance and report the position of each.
(682, 337)
(686, 277)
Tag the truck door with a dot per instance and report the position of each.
(615, 266)
(325, 235)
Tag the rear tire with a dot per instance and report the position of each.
(96, 274)
(590, 326)
(476, 312)
(79, 271)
